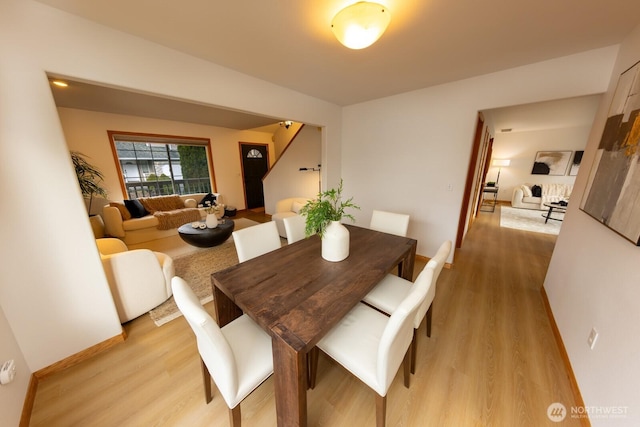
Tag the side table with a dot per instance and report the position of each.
(491, 201)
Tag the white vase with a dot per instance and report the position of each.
(211, 221)
(335, 242)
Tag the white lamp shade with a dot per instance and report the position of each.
(501, 162)
(361, 24)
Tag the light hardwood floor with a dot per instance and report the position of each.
(491, 360)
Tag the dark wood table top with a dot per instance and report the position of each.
(296, 294)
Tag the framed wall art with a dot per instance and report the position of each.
(613, 191)
(551, 163)
(575, 163)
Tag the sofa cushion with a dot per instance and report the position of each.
(296, 206)
(536, 190)
(135, 208)
(147, 221)
(536, 200)
(162, 203)
(208, 199)
(124, 212)
(526, 190)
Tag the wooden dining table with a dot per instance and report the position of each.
(297, 297)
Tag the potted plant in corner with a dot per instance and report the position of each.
(89, 178)
(323, 216)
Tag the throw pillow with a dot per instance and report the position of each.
(296, 206)
(526, 190)
(536, 190)
(208, 198)
(135, 208)
(124, 212)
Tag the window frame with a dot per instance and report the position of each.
(115, 136)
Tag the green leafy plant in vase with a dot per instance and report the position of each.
(323, 216)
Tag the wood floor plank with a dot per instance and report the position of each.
(491, 360)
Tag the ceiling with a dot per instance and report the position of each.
(429, 42)
(564, 113)
(86, 96)
(290, 43)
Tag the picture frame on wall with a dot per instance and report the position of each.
(551, 163)
(575, 163)
(612, 195)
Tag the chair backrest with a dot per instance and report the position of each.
(256, 240)
(398, 333)
(295, 228)
(137, 281)
(437, 262)
(213, 347)
(390, 222)
(108, 246)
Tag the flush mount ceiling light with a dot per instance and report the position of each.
(60, 83)
(361, 24)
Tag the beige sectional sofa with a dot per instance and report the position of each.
(523, 196)
(149, 227)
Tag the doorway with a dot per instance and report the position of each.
(255, 165)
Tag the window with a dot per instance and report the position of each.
(254, 154)
(154, 165)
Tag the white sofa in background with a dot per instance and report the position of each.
(286, 208)
(138, 230)
(523, 196)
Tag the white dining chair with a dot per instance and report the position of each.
(390, 222)
(237, 356)
(295, 228)
(387, 295)
(372, 346)
(256, 240)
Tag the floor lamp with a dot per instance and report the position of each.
(500, 163)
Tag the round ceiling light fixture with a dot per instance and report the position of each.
(361, 24)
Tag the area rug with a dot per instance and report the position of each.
(196, 269)
(529, 220)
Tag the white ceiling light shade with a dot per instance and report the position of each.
(361, 24)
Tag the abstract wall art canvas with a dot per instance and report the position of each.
(613, 191)
(551, 163)
(575, 163)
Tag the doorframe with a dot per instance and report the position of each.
(475, 174)
(244, 184)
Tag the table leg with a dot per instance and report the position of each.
(548, 214)
(226, 310)
(290, 382)
(406, 265)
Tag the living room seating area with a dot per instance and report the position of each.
(149, 218)
(533, 196)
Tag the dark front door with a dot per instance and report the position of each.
(255, 165)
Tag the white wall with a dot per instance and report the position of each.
(285, 179)
(409, 153)
(521, 148)
(594, 281)
(86, 131)
(52, 290)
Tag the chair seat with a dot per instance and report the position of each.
(356, 348)
(388, 293)
(251, 348)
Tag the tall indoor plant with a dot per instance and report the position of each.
(323, 216)
(89, 178)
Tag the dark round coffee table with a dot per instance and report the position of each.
(206, 237)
